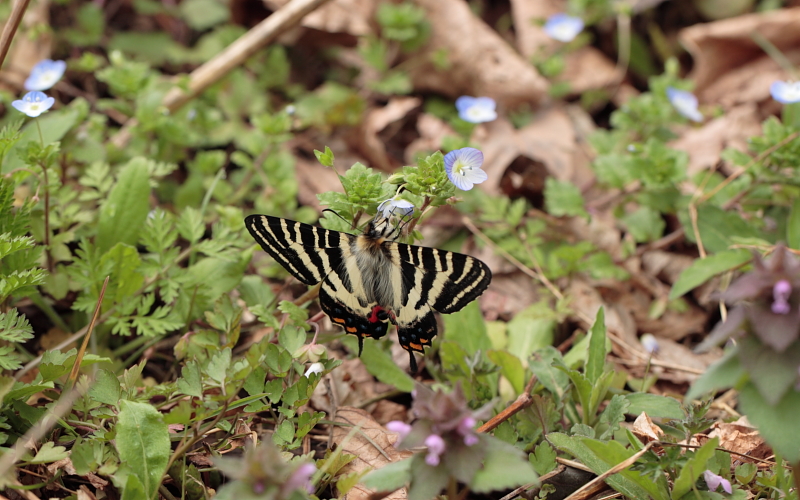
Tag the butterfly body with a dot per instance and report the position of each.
(370, 280)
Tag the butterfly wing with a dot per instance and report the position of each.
(312, 255)
(433, 280)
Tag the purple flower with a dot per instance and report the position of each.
(436, 447)
(463, 167)
(476, 109)
(714, 481)
(684, 103)
(45, 74)
(399, 427)
(300, 478)
(562, 27)
(781, 292)
(34, 103)
(649, 342)
(466, 429)
(785, 92)
(396, 206)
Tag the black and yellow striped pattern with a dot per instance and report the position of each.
(370, 280)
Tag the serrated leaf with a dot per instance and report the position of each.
(106, 388)
(124, 212)
(562, 198)
(511, 368)
(613, 414)
(190, 225)
(10, 244)
(190, 382)
(654, 405)
(504, 466)
(390, 477)
(143, 443)
(543, 458)
(701, 270)
(218, 365)
(613, 453)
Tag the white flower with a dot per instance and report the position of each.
(685, 103)
(463, 167)
(649, 342)
(562, 27)
(476, 109)
(34, 103)
(314, 368)
(785, 92)
(45, 74)
(396, 206)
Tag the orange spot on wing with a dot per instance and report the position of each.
(351, 329)
(338, 320)
(416, 347)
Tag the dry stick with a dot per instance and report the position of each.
(523, 401)
(580, 493)
(224, 62)
(10, 28)
(73, 375)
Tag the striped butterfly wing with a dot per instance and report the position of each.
(312, 255)
(433, 280)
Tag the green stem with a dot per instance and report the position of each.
(775, 53)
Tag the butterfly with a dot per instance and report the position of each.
(371, 280)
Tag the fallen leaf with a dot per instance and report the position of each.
(365, 138)
(338, 16)
(373, 446)
(481, 62)
(645, 429)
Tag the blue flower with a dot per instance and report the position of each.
(562, 27)
(45, 74)
(685, 103)
(476, 109)
(34, 103)
(785, 92)
(650, 343)
(396, 206)
(463, 167)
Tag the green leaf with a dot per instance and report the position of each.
(326, 158)
(718, 228)
(143, 444)
(724, 373)
(793, 226)
(389, 477)
(576, 447)
(531, 329)
(701, 270)
(504, 466)
(595, 362)
(134, 489)
(543, 458)
(123, 262)
(511, 368)
(563, 198)
(53, 125)
(778, 424)
(218, 365)
(654, 405)
(613, 453)
(203, 14)
(49, 453)
(106, 388)
(468, 329)
(381, 365)
(123, 214)
(694, 468)
(644, 224)
(613, 414)
(190, 383)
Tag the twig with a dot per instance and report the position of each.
(234, 55)
(523, 401)
(580, 492)
(10, 28)
(73, 376)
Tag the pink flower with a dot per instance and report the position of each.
(399, 427)
(714, 481)
(436, 447)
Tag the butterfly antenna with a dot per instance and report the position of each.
(334, 212)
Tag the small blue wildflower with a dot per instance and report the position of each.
(714, 481)
(685, 103)
(45, 74)
(785, 92)
(562, 27)
(34, 103)
(463, 167)
(396, 206)
(476, 109)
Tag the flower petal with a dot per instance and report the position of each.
(476, 176)
(563, 27)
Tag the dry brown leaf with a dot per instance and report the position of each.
(481, 62)
(349, 385)
(724, 46)
(312, 179)
(731, 130)
(645, 429)
(84, 493)
(365, 138)
(528, 18)
(675, 354)
(338, 16)
(372, 445)
(740, 437)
